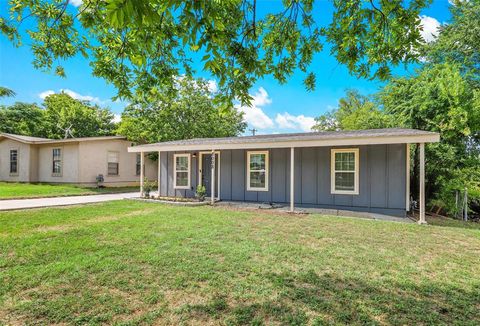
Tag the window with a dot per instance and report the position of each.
(113, 163)
(57, 162)
(257, 171)
(344, 171)
(13, 161)
(138, 165)
(182, 171)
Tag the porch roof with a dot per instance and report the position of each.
(308, 139)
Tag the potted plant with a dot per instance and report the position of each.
(200, 193)
(100, 179)
(148, 186)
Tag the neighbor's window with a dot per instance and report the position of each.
(182, 171)
(113, 159)
(57, 161)
(13, 161)
(257, 171)
(138, 165)
(345, 171)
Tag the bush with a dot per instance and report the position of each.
(148, 186)
(201, 192)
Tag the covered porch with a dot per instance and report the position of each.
(199, 162)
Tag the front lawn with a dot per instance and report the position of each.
(129, 262)
(28, 190)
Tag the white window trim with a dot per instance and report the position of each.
(356, 178)
(267, 170)
(61, 162)
(175, 170)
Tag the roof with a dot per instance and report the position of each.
(38, 140)
(307, 139)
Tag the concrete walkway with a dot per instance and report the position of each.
(14, 204)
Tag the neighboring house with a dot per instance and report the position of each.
(73, 160)
(364, 170)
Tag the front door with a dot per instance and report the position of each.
(207, 173)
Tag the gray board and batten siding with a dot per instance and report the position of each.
(382, 178)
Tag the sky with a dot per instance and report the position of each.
(275, 109)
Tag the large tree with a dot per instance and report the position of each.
(83, 119)
(140, 45)
(23, 119)
(188, 111)
(354, 112)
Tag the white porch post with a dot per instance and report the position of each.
(292, 179)
(158, 176)
(142, 172)
(213, 178)
(407, 181)
(422, 184)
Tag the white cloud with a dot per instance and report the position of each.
(46, 93)
(74, 95)
(117, 118)
(76, 3)
(288, 121)
(255, 117)
(212, 86)
(430, 28)
(254, 114)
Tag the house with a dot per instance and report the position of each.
(73, 160)
(365, 170)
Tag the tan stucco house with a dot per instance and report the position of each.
(74, 160)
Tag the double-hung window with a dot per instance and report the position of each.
(181, 171)
(344, 165)
(257, 171)
(13, 161)
(57, 162)
(113, 163)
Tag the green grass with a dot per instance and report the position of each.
(134, 263)
(28, 190)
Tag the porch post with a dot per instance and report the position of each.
(407, 181)
(158, 176)
(422, 185)
(292, 179)
(142, 173)
(212, 197)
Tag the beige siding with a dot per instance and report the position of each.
(70, 164)
(81, 163)
(23, 174)
(93, 161)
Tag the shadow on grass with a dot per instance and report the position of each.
(310, 298)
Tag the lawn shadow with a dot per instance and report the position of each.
(310, 298)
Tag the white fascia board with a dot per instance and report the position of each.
(431, 138)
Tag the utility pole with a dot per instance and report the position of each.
(253, 131)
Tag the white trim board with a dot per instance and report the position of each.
(431, 138)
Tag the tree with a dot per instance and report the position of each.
(140, 45)
(22, 119)
(459, 40)
(6, 92)
(189, 111)
(440, 99)
(354, 112)
(83, 119)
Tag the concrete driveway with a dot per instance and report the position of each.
(14, 204)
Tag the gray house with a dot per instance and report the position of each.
(365, 170)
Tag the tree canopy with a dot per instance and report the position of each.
(59, 113)
(141, 45)
(190, 111)
(354, 112)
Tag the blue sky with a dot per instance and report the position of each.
(277, 108)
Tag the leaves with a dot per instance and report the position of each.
(140, 44)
